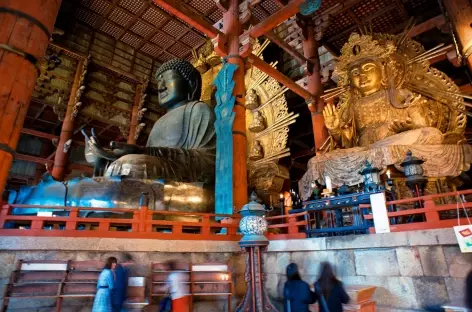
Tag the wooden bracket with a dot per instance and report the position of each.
(222, 5)
(219, 44)
(246, 44)
(245, 12)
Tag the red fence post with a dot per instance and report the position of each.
(431, 216)
(136, 221)
(205, 229)
(232, 227)
(104, 226)
(71, 223)
(37, 224)
(292, 227)
(4, 212)
(143, 211)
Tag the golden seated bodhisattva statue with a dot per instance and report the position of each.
(390, 101)
(384, 97)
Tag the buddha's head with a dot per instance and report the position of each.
(178, 82)
(365, 76)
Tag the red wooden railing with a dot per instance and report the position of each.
(429, 209)
(291, 229)
(145, 223)
(139, 223)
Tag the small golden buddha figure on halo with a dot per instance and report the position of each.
(380, 101)
(251, 99)
(257, 124)
(256, 151)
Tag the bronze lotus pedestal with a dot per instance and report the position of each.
(253, 225)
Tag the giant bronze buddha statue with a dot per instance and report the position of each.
(181, 145)
(390, 101)
(175, 168)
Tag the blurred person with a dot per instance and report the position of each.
(297, 293)
(121, 282)
(178, 289)
(329, 291)
(105, 285)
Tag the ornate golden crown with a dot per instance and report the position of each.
(359, 47)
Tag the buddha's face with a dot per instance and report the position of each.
(173, 89)
(366, 77)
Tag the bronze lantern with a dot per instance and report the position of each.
(371, 177)
(413, 171)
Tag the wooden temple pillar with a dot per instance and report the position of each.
(314, 85)
(24, 36)
(232, 29)
(61, 159)
(137, 112)
(460, 13)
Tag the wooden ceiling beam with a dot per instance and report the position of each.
(354, 17)
(182, 12)
(287, 48)
(364, 21)
(435, 22)
(39, 134)
(33, 159)
(292, 8)
(274, 73)
(298, 165)
(51, 157)
(105, 15)
(303, 153)
(44, 135)
(44, 161)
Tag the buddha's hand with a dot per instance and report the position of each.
(331, 117)
(93, 147)
(399, 126)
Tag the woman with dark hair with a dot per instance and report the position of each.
(297, 293)
(330, 291)
(105, 285)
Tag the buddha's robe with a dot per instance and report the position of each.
(181, 145)
(189, 127)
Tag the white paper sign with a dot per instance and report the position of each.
(464, 237)
(44, 214)
(379, 212)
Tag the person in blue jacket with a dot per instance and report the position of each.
(329, 291)
(297, 293)
(121, 284)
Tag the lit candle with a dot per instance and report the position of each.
(388, 174)
(329, 186)
(281, 196)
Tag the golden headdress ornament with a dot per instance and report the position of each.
(360, 47)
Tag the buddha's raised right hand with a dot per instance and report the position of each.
(93, 150)
(331, 117)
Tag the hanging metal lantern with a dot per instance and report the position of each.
(371, 177)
